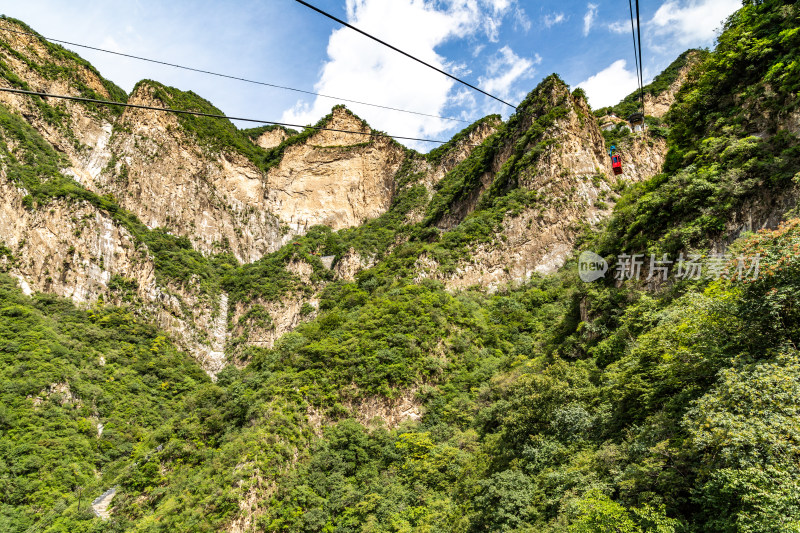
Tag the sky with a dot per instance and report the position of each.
(505, 47)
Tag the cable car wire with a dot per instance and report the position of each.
(201, 71)
(418, 60)
(635, 53)
(211, 115)
(641, 65)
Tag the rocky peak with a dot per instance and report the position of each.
(334, 178)
(342, 119)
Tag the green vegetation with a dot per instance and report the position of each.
(723, 153)
(436, 155)
(532, 419)
(525, 131)
(65, 65)
(255, 133)
(212, 133)
(617, 135)
(64, 370)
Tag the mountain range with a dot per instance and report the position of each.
(205, 328)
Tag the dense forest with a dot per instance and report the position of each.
(552, 405)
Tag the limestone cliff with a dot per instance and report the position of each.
(336, 179)
(218, 196)
(75, 250)
(270, 137)
(169, 179)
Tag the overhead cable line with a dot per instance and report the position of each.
(418, 60)
(201, 71)
(211, 115)
(635, 51)
(641, 65)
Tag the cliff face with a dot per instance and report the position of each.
(336, 179)
(217, 197)
(658, 104)
(72, 249)
(168, 180)
(220, 198)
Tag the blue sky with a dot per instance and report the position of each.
(504, 46)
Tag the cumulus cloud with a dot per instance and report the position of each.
(553, 18)
(693, 22)
(367, 71)
(610, 85)
(588, 18)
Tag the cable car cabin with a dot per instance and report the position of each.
(636, 121)
(616, 164)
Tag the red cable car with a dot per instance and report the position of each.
(616, 162)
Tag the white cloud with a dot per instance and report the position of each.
(369, 72)
(621, 26)
(491, 28)
(109, 43)
(499, 6)
(610, 85)
(553, 19)
(504, 70)
(521, 19)
(693, 22)
(588, 18)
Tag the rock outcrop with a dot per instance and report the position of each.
(164, 176)
(658, 104)
(336, 179)
(75, 250)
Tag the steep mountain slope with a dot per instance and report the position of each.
(199, 177)
(203, 180)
